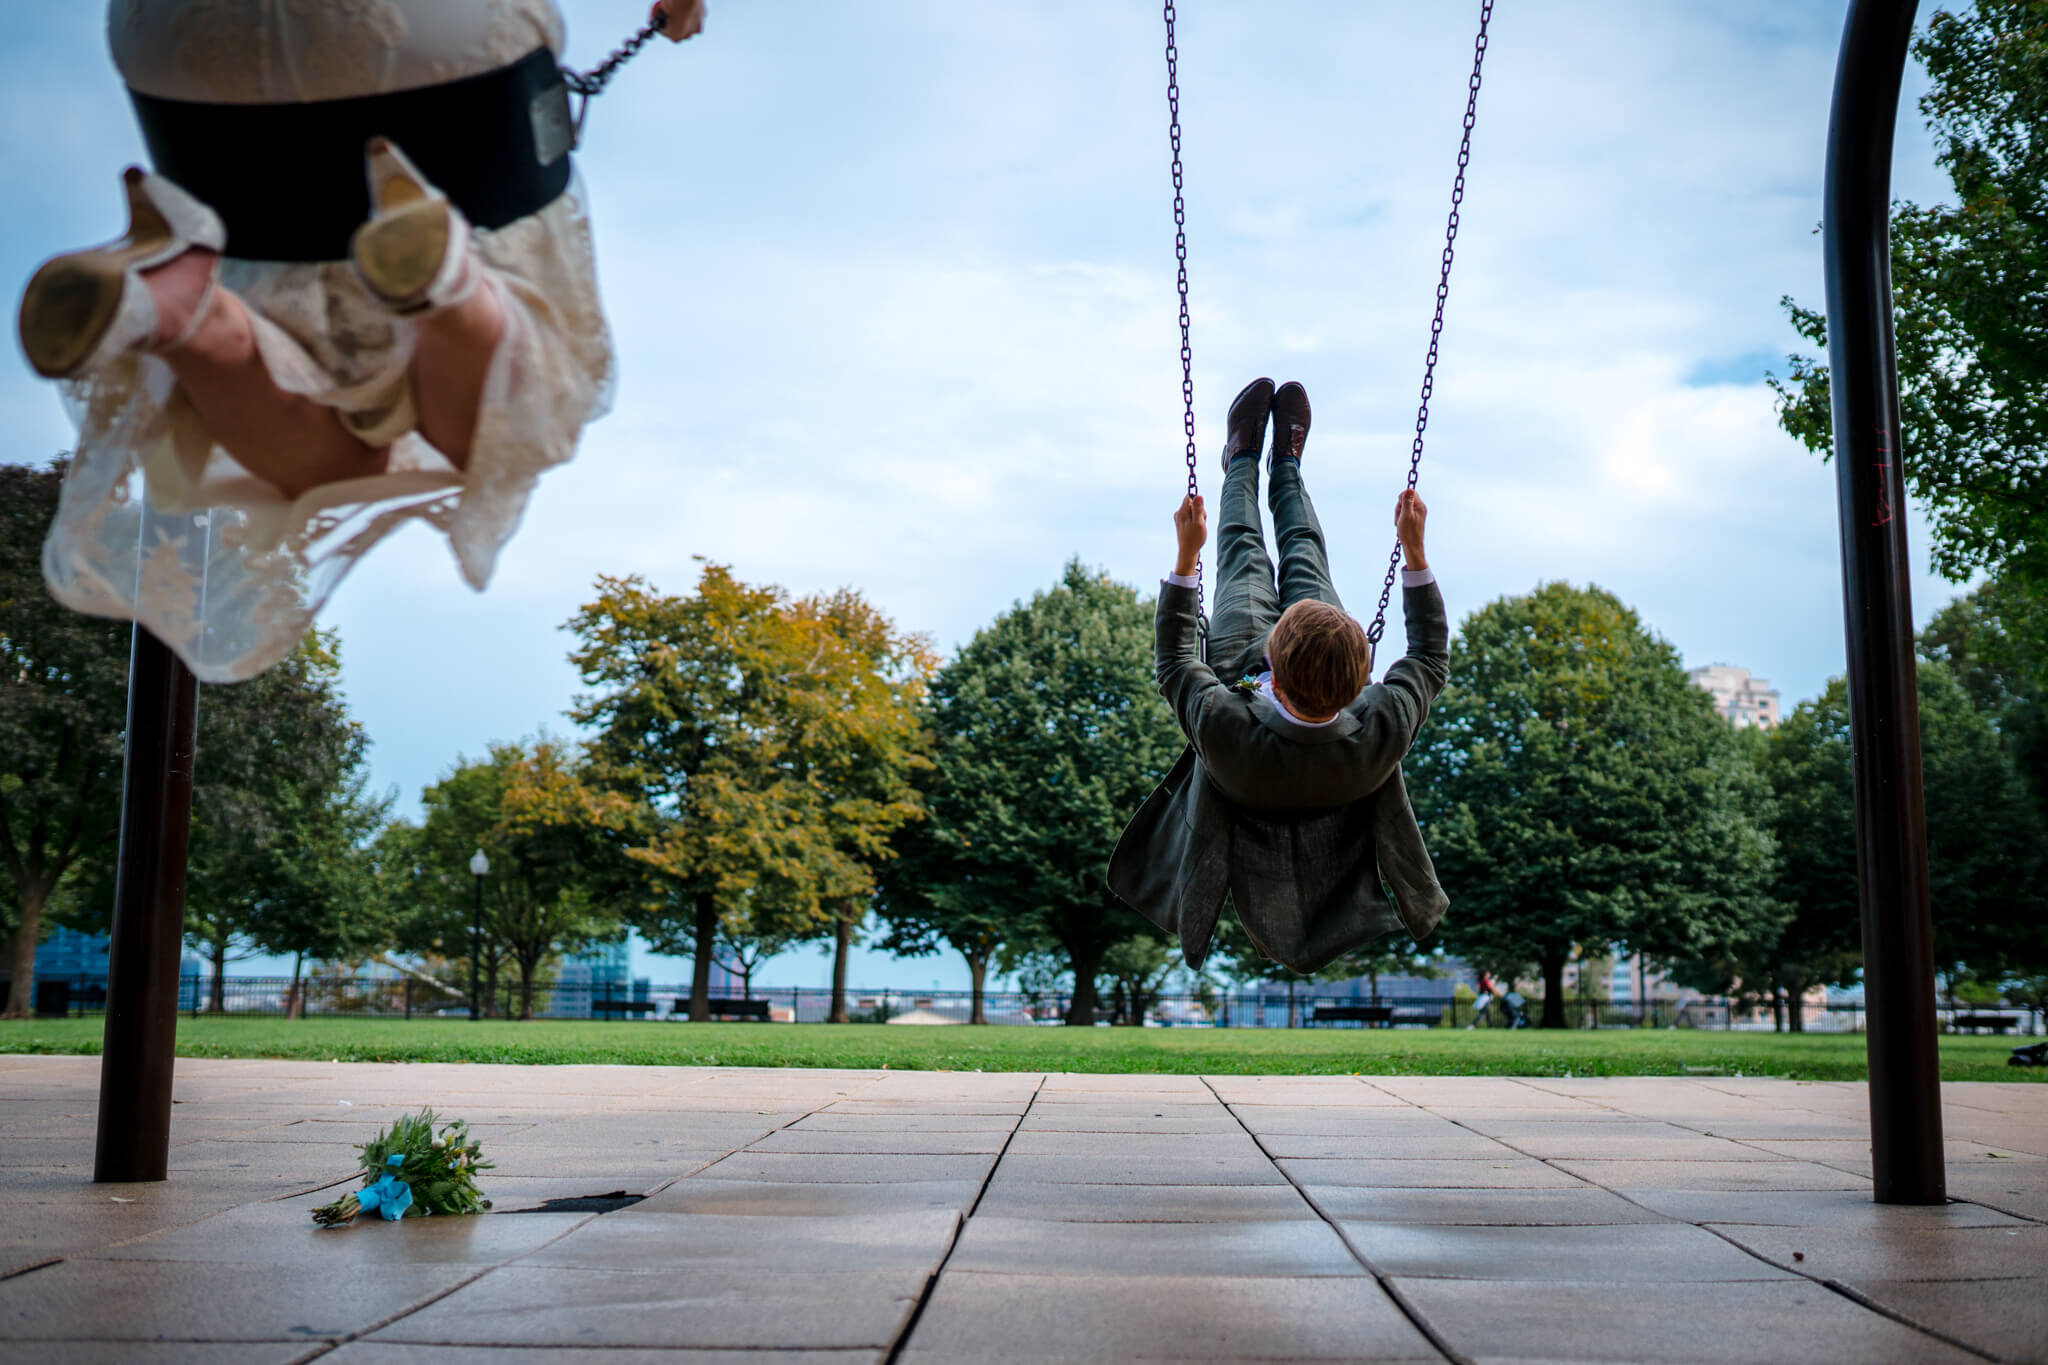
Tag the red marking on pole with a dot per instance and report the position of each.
(1884, 497)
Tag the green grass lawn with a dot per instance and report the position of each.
(1385, 1052)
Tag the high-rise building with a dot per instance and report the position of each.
(1741, 698)
(598, 972)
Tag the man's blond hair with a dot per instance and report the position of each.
(1320, 657)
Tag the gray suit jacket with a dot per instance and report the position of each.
(1306, 828)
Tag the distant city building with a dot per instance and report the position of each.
(600, 972)
(1737, 696)
(68, 953)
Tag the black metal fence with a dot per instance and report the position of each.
(1269, 1006)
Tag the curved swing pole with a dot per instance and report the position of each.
(1443, 294)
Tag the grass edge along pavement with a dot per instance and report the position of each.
(1394, 1052)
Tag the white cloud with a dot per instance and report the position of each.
(893, 291)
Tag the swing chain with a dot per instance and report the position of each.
(1180, 253)
(1443, 294)
(592, 82)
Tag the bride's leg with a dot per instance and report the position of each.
(286, 439)
(450, 361)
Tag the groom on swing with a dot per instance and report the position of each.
(1289, 797)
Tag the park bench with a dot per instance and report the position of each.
(1368, 1015)
(607, 1008)
(727, 1008)
(1997, 1023)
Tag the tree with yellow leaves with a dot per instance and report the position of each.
(768, 742)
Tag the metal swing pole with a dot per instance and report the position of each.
(1884, 707)
(136, 1060)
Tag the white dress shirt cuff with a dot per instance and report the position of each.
(1416, 578)
(1184, 580)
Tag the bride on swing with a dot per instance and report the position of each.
(261, 398)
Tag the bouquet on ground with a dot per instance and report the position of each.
(410, 1171)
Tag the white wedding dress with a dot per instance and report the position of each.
(160, 525)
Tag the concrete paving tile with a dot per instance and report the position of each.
(1112, 1102)
(2006, 1318)
(35, 1229)
(556, 1306)
(837, 1142)
(1093, 1083)
(153, 1352)
(2005, 1135)
(1595, 1145)
(1739, 1323)
(1030, 1246)
(1478, 1208)
(1627, 1254)
(1779, 1125)
(1109, 1170)
(932, 1108)
(1899, 1252)
(1999, 1190)
(1854, 1155)
(1713, 1175)
(1495, 1092)
(1134, 1146)
(393, 1353)
(609, 1171)
(212, 1300)
(846, 1170)
(1183, 1119)
(634, 1239)
(1030, 1318)
(1142, 1203)
(803, 1198)
(1835, 1210)
(1302, 1119)
(1403, 1140)
(833, 1121)
(517, 1193)
(309, 1130)
(285, 1234)
(1512, 1172)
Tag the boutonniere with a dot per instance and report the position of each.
(1248, 684)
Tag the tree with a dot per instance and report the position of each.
(1995, 641)
(1970, 284)
(856, 739)
(1984, 844)
(770, 744)
(280, 818)
(743, 946)
(552, 840)
(929, 897)
(63, 710)
(1047, 733)
(1576, 789)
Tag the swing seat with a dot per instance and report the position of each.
(497, 144)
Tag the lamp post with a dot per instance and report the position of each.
(479, 868)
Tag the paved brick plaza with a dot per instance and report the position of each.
(1065, 1218)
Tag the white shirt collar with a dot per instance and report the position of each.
(1266, 691)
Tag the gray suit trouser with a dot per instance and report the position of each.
(1250, 595)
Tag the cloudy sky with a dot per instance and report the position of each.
(892, 286)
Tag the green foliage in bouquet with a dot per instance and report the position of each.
(441, 1169)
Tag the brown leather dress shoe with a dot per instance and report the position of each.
(1290, 419)
(1246, 427)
